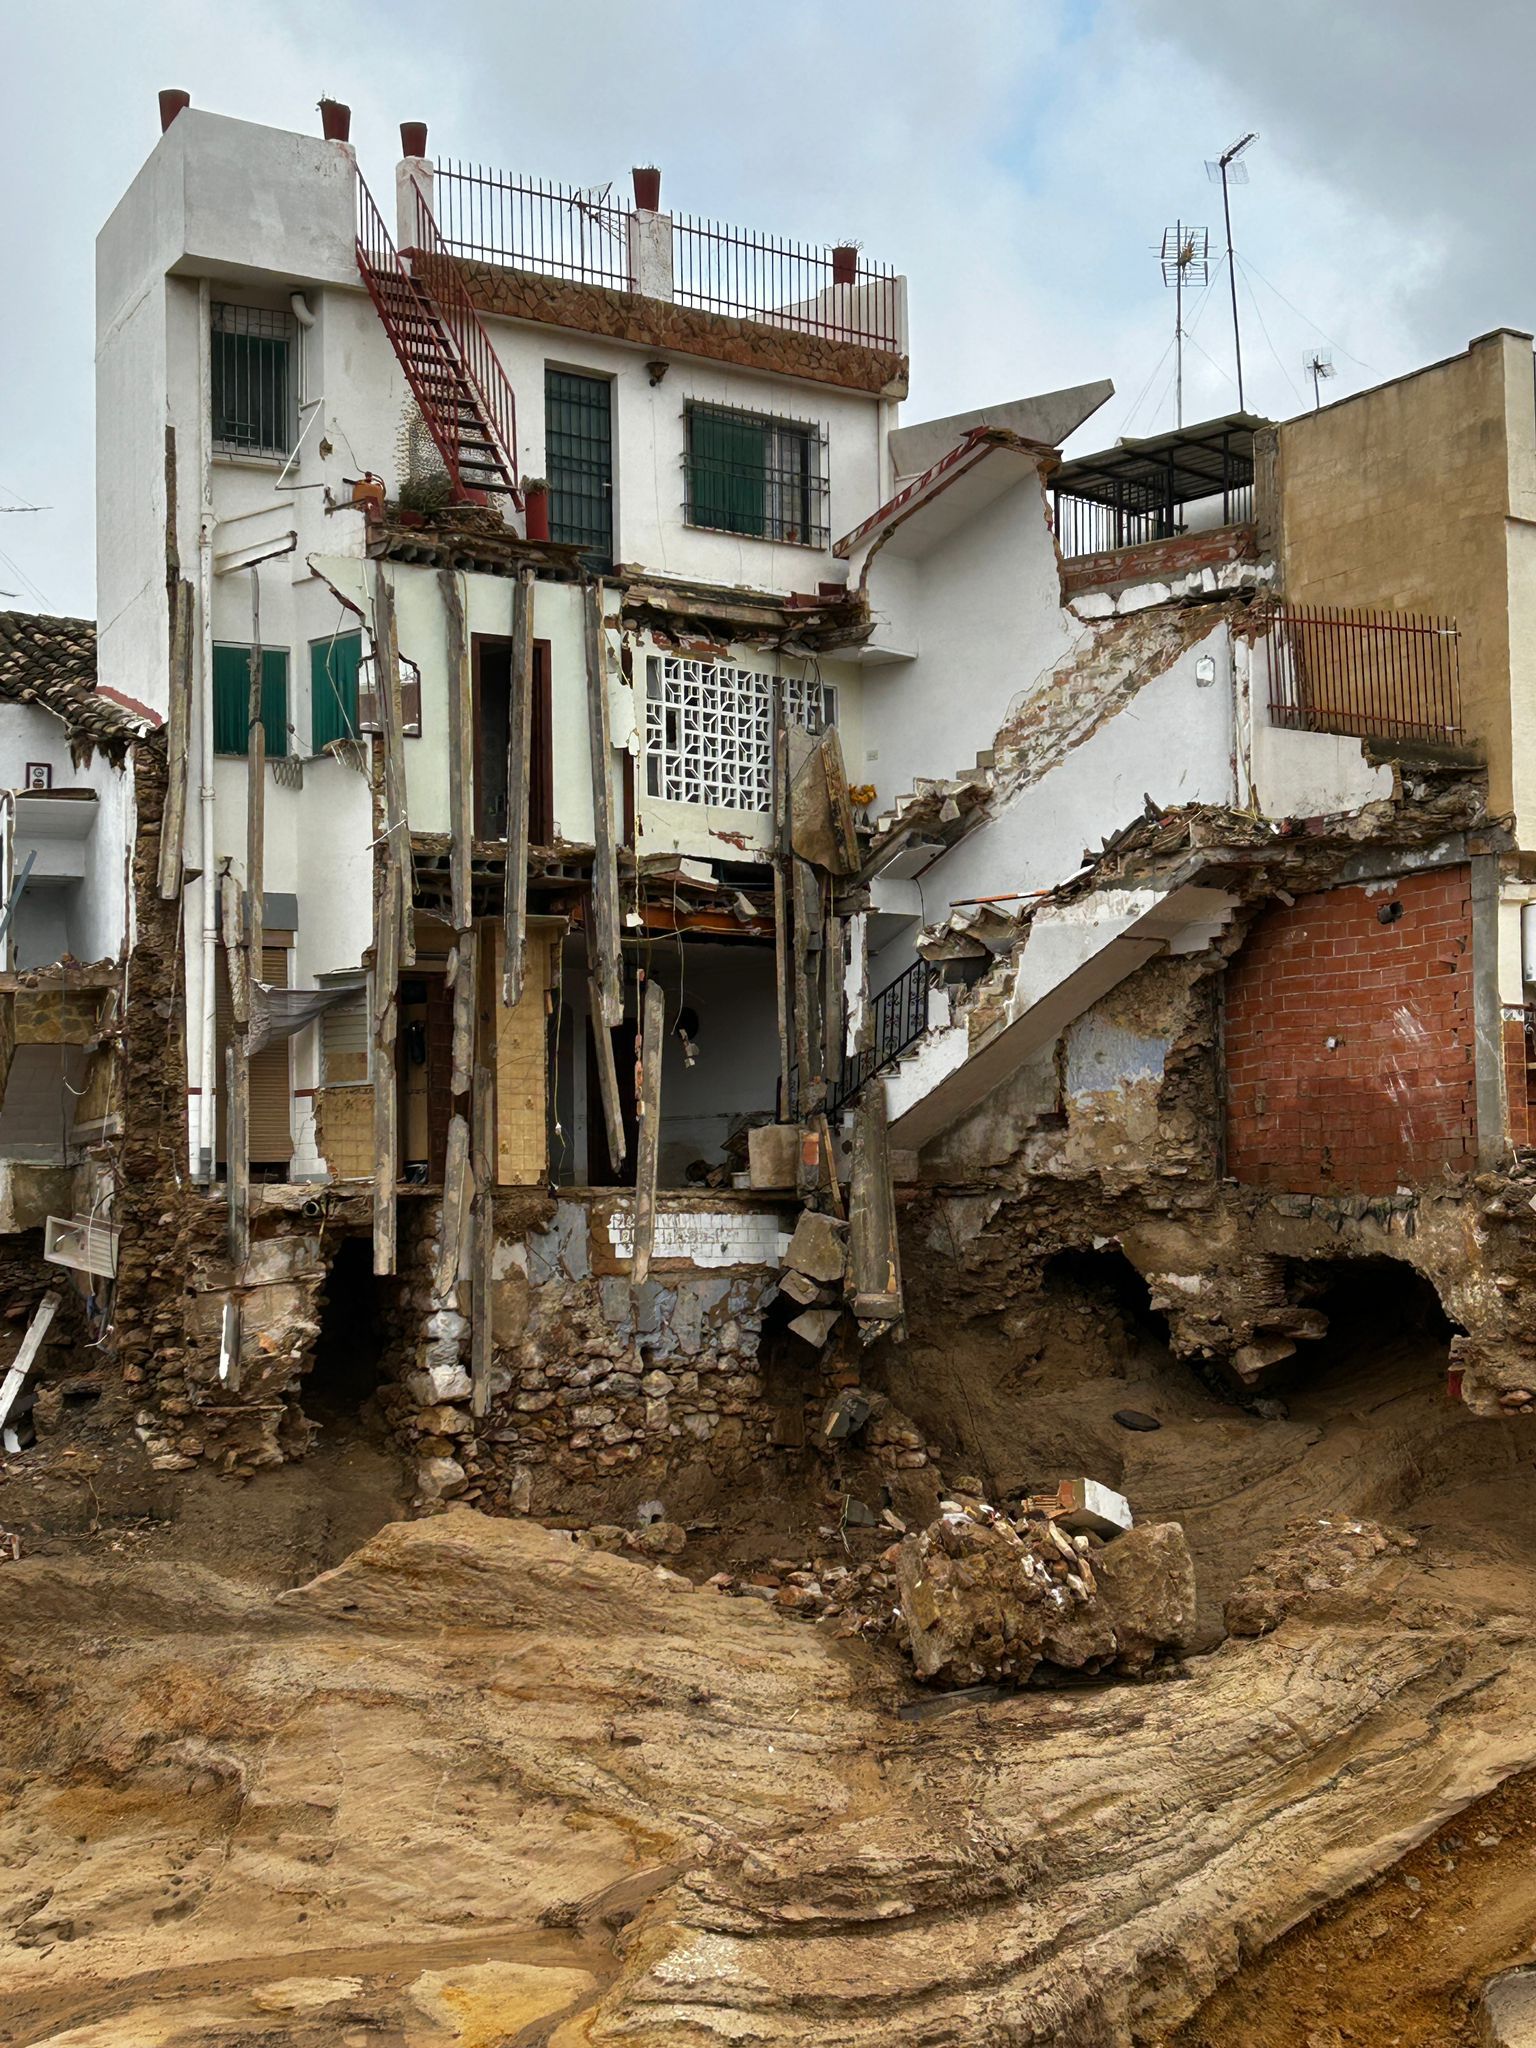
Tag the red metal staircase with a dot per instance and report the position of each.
(454, 373)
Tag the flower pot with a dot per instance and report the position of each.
(647, 189)
(536, 515)
(413, 138)
(406, 515)
(172, 101)
(845, 264)
(335, 121)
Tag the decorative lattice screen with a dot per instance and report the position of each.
(709, 730)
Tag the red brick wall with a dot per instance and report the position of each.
(1349, 1041)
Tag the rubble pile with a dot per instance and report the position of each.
(986, 1596)
(1314, 1557)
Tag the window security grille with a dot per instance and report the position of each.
(578, 456)
(255, 388)
(752, 473)
(709, 730)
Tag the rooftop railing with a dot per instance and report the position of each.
(585, 235)
(1364, 674)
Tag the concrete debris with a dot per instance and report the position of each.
(819, 1247)
(1509, 2011)
(807, 1292)
(847, 1414)
(1092, 1508)
(816, 1325)
(10, 1546)
(987, 1598)
(1314, 1558)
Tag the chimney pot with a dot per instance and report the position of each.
(172, 100)
(335, 120)
(845, 263)
(647, 180)
(413, 138)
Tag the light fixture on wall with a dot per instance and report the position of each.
(658, 369)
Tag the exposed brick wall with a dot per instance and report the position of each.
(1349, 1052)
(1519, 1055)
(1155, 561)
(659, 324)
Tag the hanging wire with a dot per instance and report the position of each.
(1246, 267)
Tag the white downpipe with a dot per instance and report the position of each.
(207, 1124)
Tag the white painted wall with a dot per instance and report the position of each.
(87, 917)
(982, 613)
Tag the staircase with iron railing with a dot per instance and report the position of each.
(898, 1019)
(464, 396)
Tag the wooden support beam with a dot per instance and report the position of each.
(784, 973)
(255, 812)
(178, 729)
(461, 755)
(519, 741)
(236, 963)
(832, 1019)
(231, 1339)
(807, 969)
(237, 1151)
(466, 995)
(454, 1233)
(22, 1364)
(874, 1252)
(386, 1102)
(653, 1024)
(607, 1079)
(397, 830)
(604, 941)
(483, 1238)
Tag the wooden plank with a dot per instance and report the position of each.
(466, 991)
(454, 1231)
(461, 756)
(653, 1026)
(386, 1103)
(231, 1336)
(386, 655)
(236, 960)
(22, 1364)
(519, 739)
(237, 1151)
(784, 981)
(603, 945)
(483, 1238)
(255, 815)
(807, 950)
(178, 728)
(832, 1021)
(875, 1253)
(607, 1079)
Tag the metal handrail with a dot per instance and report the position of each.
(477, 354)
(898, 1019)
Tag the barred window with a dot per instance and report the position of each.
(255, 389)
(709, 730)
(751, 473)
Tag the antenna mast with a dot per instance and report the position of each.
(1317, 365)
(1186, 263)
(1231, 172)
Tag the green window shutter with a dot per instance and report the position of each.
(274, 700)
(333, 674)
(727, 461)
(232, 699)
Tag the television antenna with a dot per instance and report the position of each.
(1185, 258)
(1317, 365)
(1231, 170)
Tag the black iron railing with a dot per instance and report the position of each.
(1364, 674)
(899, 1017)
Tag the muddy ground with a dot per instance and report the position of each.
(479, 1785)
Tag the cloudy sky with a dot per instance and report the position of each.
(1018, 159)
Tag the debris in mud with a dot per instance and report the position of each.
(1312, 1558)
(986, 1598)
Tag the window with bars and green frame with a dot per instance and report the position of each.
(578, 458)
(334, 666)
(232, 699)
(755, 474)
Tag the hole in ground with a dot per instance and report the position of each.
(1105, 1277)
(1377, 1309)
(344, 1374)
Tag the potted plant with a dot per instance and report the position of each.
(535, 508)
(422, 496)
(647, 181)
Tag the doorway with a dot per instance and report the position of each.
(492, 673)
(344, 1374)
(578, 453)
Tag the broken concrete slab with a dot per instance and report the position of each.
(819, 1247)
(815, 1325)
(1093, 1508)
(1508, 2012)
(808, 1292)
(773, 1155)
(847, 1414)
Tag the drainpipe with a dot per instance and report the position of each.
(203, 1163)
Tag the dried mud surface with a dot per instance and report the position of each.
(478, 1785)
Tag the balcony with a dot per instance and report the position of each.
(1158, 509)
(1372, 675)
(533, 249)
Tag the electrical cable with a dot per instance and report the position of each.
(1246, 266)
(1264, 330)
